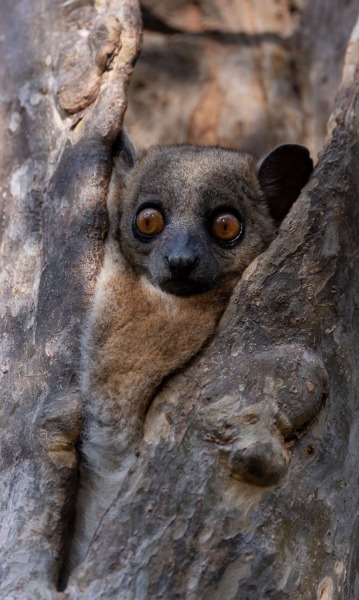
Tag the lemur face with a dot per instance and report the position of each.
(193, 218)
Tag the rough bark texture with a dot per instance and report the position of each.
(238, 73)
(54, 174)
(246, 486)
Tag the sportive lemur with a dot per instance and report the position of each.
(185, 221)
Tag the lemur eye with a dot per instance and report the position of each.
(226, 226)
(149, 221)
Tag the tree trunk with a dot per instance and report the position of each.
(68, 67)
(246, 486)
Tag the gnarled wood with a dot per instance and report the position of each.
(54, 179)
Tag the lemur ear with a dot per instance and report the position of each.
(124, 152)
(282, 173)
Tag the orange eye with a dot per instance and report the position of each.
(150, 221)
(225, 227)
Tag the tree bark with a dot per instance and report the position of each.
(247, 75)
(246, 486)
(68, 67)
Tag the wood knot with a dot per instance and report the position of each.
(80, 66)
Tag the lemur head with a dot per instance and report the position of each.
(193, 217)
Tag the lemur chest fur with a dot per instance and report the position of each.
(138, 334)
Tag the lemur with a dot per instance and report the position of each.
(185, 221)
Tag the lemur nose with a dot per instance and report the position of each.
(181, 266)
